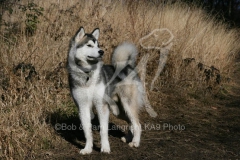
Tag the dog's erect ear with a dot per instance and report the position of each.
(80, 34)
(95, 33)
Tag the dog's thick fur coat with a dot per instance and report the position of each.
(115, 87)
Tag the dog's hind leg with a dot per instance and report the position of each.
(113, 106)
(103, 115)
(132, 112)
(136, 128)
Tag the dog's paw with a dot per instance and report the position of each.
(134, 144)
(124, 139)
(85, 151)
(105, 150)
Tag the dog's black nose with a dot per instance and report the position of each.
(101, 52)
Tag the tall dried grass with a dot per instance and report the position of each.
(32, 90)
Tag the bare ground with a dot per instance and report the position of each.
(205, 128)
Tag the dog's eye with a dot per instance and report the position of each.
(89, 45)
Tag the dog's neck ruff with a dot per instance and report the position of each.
(85, 75)
(88, 74)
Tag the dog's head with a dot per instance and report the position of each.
(87, 52)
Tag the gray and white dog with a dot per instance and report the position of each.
(115, 87)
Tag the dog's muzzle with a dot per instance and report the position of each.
(94, 60)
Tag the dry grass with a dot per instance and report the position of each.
(26, 103)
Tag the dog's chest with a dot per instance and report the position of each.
(95, 89)
(92, 91)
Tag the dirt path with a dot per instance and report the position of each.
(183, 129)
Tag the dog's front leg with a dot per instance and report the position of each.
(84, 104)
(103, 115)
(85, 117)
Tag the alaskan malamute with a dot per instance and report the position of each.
(115, 87)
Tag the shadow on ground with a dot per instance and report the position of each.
(70, 129)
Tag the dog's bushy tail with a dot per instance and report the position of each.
(125, 54)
